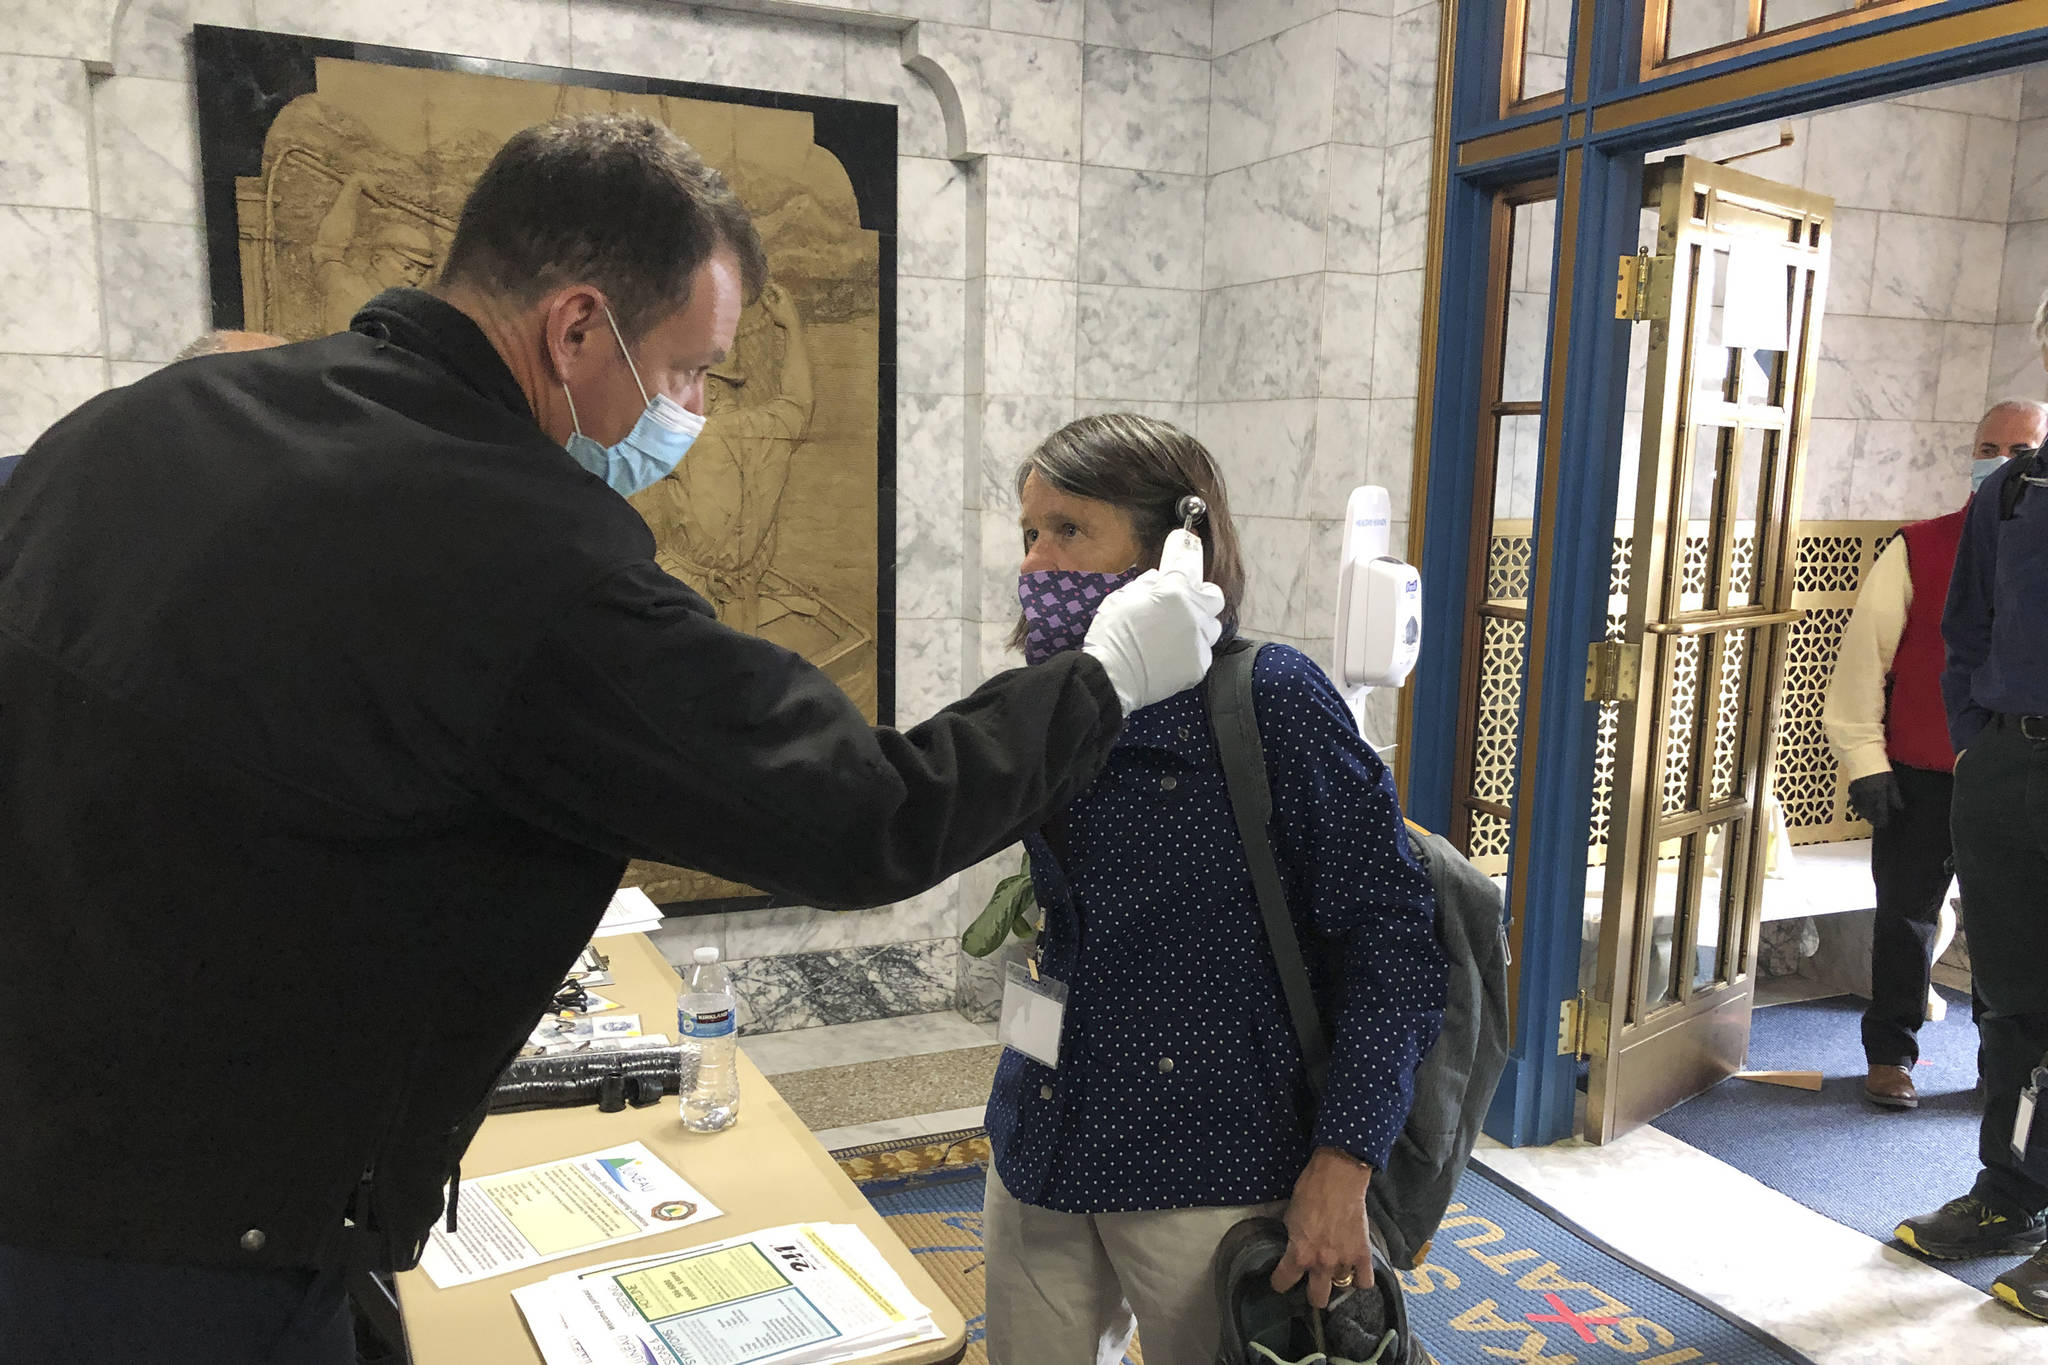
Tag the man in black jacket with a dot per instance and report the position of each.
(338, 685)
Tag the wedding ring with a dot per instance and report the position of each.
(1345, 1280)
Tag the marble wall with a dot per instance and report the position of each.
(1924, 187)
(2015, 354)
(1321, 118)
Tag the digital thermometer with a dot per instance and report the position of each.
(1183, 551)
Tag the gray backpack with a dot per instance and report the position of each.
(1455, 1083)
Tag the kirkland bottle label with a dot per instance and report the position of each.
(714, 1024)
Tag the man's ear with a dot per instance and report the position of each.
(572, 326)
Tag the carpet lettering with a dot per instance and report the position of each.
(1577, 1313)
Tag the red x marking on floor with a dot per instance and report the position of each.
(1576, 1321)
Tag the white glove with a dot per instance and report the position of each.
(1154, 635)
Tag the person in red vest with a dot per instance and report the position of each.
(1887, 722)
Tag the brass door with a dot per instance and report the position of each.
(1733, 297)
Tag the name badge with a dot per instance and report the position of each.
(1034, 1010)
(2023, 1121)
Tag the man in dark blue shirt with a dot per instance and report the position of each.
(1995, 688)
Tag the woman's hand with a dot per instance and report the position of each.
(1327, 1238)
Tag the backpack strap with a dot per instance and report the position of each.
(1227, 693)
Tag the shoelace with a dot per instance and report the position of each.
(1264, 1352)
(1259, 1349)
(1970, 1206)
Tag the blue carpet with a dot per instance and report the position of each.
(1866, 1168)
(1507, 1278)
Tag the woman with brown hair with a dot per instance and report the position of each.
(1171, 1103)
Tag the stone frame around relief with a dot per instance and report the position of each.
(247, 78)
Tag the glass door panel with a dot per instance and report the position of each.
(1780, 14)
(1720, 907)
(1538, 45)
(1503, 528)
(1667, 909)
(1502, 552)
(1697, 25)
(1681, 34)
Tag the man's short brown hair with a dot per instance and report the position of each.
(222, 340)
(615, 201)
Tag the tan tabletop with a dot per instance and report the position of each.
(764, 1171)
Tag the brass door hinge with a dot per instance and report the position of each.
(1612, 670)
(1642, 287)
(1582, 1027)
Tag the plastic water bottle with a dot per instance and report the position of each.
(707, 1026)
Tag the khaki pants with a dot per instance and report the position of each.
(1069, 1288)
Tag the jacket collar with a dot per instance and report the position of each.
(438, 330)
(1179, 726)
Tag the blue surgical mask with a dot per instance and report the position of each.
(1981, 470)
(651, 450)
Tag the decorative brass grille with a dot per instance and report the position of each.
(1495, 755)
(1832, 558)
(1507, 568)
(1830, 563)
(1687, 683)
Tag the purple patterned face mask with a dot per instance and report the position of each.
(1059, 605)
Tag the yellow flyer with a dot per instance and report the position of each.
(515, 1219)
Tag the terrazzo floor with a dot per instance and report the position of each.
(847, 1045)
(867, 1092)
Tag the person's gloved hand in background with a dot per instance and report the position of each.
(1875, 797)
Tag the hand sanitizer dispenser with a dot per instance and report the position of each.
(1379, 603)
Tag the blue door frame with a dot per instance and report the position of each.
(1599, 172)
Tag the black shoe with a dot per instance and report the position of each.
(2025, 1286)
(1257, 1323)
(1967, 1227)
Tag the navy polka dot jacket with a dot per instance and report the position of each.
(1180, 1082)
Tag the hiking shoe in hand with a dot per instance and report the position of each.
(1259, 1325)
(1366, 1325)
(2025, 1286)
(1967, 1227)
